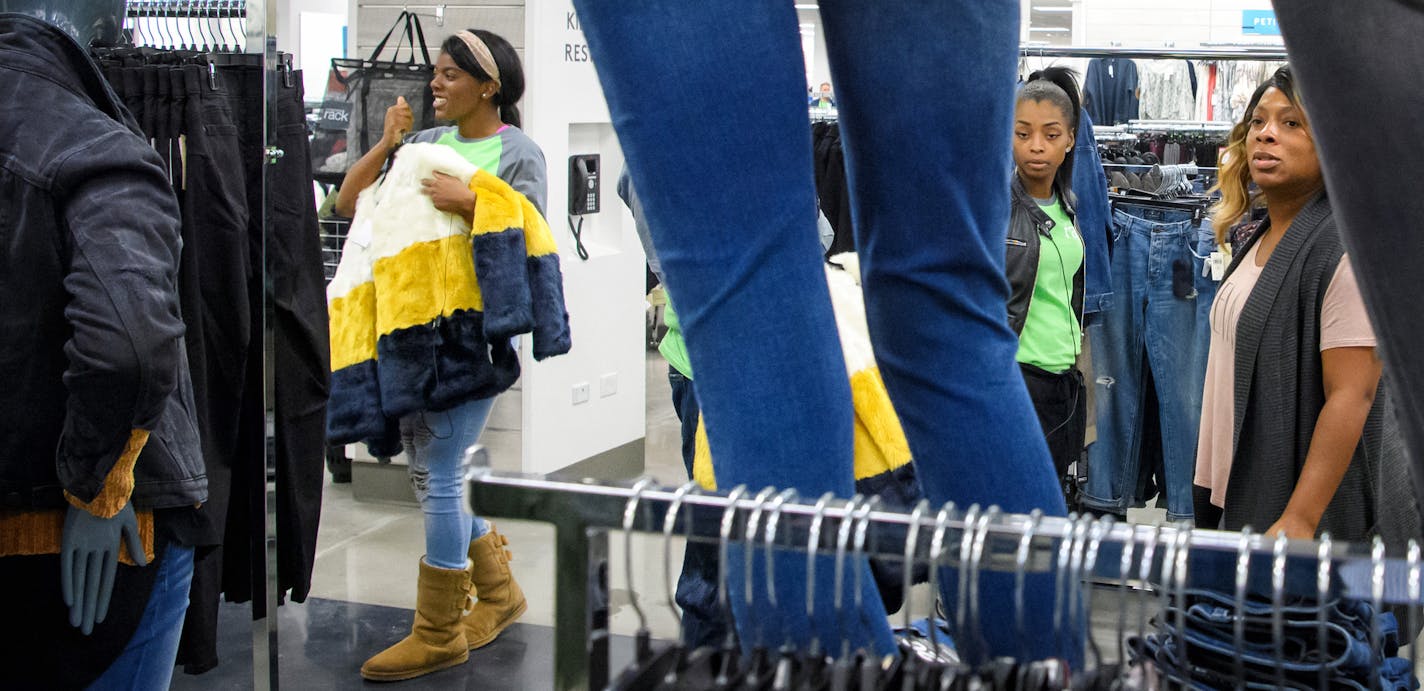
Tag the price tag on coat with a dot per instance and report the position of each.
(361, 233)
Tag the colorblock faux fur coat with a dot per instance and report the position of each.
(423, 305)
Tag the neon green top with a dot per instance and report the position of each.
(1052, 337)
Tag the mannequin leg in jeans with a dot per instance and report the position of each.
(723, 166)
(931, 209)
(147, 660)
(926, 95)
(435, 442)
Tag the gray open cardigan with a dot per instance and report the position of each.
(1280, 391)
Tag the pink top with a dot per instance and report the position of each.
(1343, 324)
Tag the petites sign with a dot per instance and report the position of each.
(1259, 23)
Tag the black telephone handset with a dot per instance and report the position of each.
(583, 196)
(583, 184)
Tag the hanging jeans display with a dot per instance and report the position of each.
(930, 218)
(1156, 327)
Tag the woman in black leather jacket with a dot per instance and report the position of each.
(1044, 260)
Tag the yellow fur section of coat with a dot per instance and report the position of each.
(879, 440)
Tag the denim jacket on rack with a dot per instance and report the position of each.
(1094, 218)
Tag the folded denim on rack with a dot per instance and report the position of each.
(1299, 650)
(1352, 614)
(1149, 329)
(1210, 671)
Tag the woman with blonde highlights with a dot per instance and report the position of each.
(1292, 430)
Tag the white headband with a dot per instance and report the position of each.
(483, 56)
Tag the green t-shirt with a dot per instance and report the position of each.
(673, 348)
(509, 154)
(1052, 337)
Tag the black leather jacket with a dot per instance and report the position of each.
(1028, 225)
(91, 338)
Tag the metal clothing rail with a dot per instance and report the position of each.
(1269, 53)
(583, 511)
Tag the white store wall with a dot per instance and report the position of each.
(566, 114)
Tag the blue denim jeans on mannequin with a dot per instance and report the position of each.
(435, 443)
(1149, 328)
(708, 100)
(147, 660)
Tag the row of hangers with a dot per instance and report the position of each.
(159, 37)
(778, 665)
(819, 668)
(211, 26)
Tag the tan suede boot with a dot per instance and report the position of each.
(436, 640)
(499, 602)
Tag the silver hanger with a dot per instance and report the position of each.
(1021, 556)
(1415, 596)
(1278, 596)
(1377, 600)
(912, 539)
(942, 520)
(1129, 547)
(669, 524)
(1238, 622)
(724, 581)
(976, 557)
(772, 524)
(966, 549)
(813, 545)
(1144, 575)
(1322, 594)
(1060, 579)
(785, 665)
(1184, 549)
(1101, 528)
(748, 552)
(843, 541)
(222, 24)
(630, 515)
(862, 526)
(160, 11)
(1073, 606)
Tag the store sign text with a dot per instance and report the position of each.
(574, 51)
(1259, 23)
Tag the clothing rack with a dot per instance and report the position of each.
(1266, 53)
(190, 9)
(583, 511)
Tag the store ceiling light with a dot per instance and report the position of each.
(806, 6)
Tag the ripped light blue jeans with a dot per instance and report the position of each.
(435, 442)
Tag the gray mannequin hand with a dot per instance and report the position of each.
(88, 560)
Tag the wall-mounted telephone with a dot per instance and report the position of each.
(583, 184)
